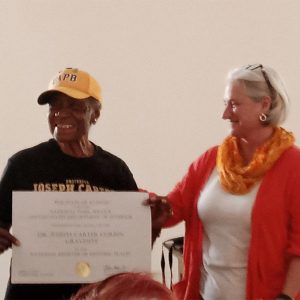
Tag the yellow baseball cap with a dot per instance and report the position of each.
(74, 83)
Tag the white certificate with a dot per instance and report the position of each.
(79, 237)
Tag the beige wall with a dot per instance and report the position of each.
(161, 64)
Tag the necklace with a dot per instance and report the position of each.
(237, 178)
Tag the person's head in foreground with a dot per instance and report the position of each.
(125, 286)
(74, 99)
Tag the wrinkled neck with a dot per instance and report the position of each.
(83, 148)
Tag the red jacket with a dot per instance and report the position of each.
(275, 229)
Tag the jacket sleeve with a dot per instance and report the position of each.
(294, 209)
(6, 188)
(183, 196)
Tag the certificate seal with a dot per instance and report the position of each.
(83, 269)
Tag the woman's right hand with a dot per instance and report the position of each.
(161, 210)
(7, 240)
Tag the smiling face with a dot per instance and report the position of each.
(70, 119)
(242, 111)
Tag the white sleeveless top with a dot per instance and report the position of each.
(226, 220)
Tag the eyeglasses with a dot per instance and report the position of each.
(266, 77)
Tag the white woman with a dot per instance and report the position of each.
(240, 201)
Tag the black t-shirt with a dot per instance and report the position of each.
(46, 168)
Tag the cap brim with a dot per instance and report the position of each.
(46, 96)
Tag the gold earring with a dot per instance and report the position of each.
(262, 117)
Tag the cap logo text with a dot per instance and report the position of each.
(69, 77)
(65, 77)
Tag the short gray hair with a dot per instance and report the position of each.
(94, 103)
(260, 81)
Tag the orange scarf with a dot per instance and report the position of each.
(237, 178)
